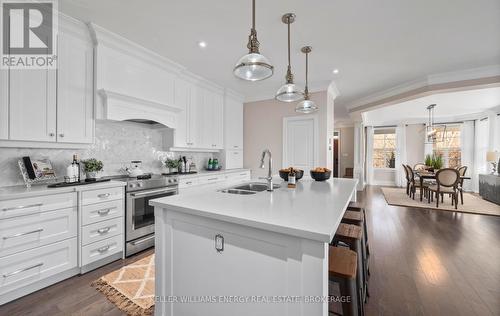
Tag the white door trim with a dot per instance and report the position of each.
(286, 120)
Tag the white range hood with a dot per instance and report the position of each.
(133, 83)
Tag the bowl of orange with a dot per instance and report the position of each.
(321, 174)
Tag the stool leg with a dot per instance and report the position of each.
(348, 290)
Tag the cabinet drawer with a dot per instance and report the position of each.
(33, 265)
(102, 249)
(102, 211)
(189, 182)
(102, 195)
(102, 230)
(37, 204)
(234, 159)
(35, 230)
(211, 179)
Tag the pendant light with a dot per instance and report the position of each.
(432, 128)
(289, 92)
(253, 66)
(306, 106)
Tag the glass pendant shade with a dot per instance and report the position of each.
(289, 92)
(253, 67)
(306, 107)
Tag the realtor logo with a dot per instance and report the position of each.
(28, 34)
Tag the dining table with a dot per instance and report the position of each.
(427, 175)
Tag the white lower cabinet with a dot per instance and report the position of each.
(102, 231)
(229, 176)
(27, 267)
(102, 249)
(102, 211)
(48, 238)
(31, 231)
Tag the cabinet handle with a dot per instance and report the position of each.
(21, 207)
(23, 234)
(22, 270)
(103, 230)
(211, 179)
(52, 134)
(61, 135)
(189, 182)
(236, 153)
(103, 249)
(219, 243)
(105, 211)
(103, 195)
(236, 146)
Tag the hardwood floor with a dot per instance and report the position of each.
(430, 262)
(423, 262)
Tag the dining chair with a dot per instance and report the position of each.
(461, 171)
(415, 183)
(407, 180)
(447, 181)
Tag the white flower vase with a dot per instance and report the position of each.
(92, 175)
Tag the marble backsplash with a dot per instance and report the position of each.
(116, 144)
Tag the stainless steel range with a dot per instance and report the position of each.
(139, 215)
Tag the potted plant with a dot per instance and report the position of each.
(438, 162)
(428, 161)
(172, 165)
(92, 167)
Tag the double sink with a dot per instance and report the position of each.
(248, 188)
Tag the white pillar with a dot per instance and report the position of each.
(359, 154)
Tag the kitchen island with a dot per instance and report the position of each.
(259, 254)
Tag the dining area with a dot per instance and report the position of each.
(435, 184)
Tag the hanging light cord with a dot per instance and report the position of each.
(253, 14)
(289, 43)
(306, 90)
(253, 42)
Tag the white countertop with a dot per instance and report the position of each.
(312, 210)
(21, 191)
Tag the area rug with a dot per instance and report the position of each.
(472, 203)
(131, 288)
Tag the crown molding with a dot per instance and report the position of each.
(468, 79)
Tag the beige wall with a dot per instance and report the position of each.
(346, 154)
(415, 139)
(263, 128)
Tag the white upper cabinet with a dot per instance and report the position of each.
(52, 106)
(32, 106)
(4, 104)
(75, 107)
(211, 108)
(233, 122)
(200, 123)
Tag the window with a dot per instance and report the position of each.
(384, 148)
(448, 145)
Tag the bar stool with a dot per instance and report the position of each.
(356, 217)
(342, 268)
(365, 225)
(352, 236)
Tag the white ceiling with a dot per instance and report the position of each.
(450, 106)
(374, 44)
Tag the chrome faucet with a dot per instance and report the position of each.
(269, 177)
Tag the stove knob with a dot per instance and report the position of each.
(140, 184)
(170, 181)
(131, 185)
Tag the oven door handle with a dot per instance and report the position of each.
(144, 193)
